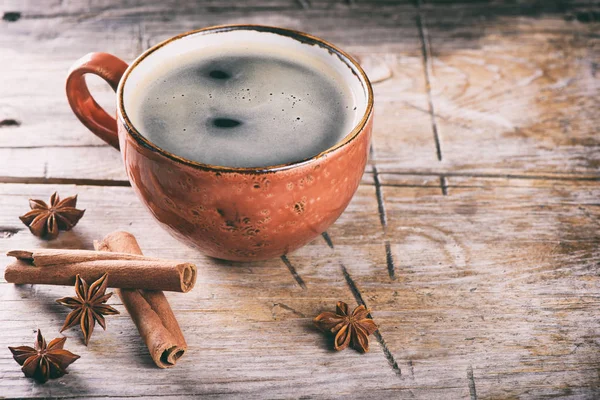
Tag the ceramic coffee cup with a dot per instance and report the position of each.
(239, 214)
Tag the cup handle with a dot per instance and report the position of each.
(109, 68)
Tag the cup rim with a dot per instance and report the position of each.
(297, 35)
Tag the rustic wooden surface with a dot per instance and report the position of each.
(473, 236)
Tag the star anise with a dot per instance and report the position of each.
(44, 361)
(46, 220)
(348, 328)
(88, 307)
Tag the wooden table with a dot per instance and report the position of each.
(473, 236)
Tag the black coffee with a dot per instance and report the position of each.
(246, 110)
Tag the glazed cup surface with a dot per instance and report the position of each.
(242, 214)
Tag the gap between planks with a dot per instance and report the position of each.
(383, 217)
(304, 4)
(444, 185)
(389, 257)
(378, 193)
(376, 177)
(428, 72)
(293, 271)
(33, 180)
(360, 300)
(471, 380)
(357, 296)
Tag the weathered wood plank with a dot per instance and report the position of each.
(496, 264)
(284, 349)
(44, 119)
(482, 76)
(54, 8)
(513, 88)
(498, 278)
(36, 69)
(78, 163)
(57, 145)
(476, 95)
(484, 280)
(35, 96)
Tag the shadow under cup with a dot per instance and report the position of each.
(245, 213)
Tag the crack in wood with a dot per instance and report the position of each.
(386, 351)
(401, 185)
(287, 308)
(379, 194)
(305, 4)
(382, 211)
(471, 379)
(159, 13)
(591, 217)
(295, 274)
(577, 345)
(63, 181)
(55, 146)
(359, 299)
(11, 16)
(8, 231)
(389, 257)
(140, 38)
(145, 396)
(444, 185)
(428, 72)
(327, 239)
(450, 174)
(9, 122)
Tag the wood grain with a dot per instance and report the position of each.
(35, 94)
(518, 309)
(483, 68)
(473, 237)
(490, 260)
(514, 88)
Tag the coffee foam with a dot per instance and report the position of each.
(244, 105)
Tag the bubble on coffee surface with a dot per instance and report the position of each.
(225, 123)
(246, 110)
(218, 74)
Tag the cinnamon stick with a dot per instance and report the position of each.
(149, 310)
(59, 267)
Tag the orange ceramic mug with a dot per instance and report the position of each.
(240, 214)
